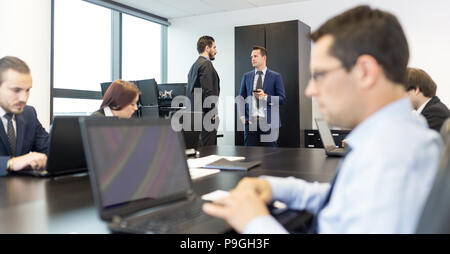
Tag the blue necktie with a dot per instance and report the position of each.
(325, 202)
(11, 134)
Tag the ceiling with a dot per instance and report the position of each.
(172, 9)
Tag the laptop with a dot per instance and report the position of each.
(140, 178)
(65, 152)
(331, 149)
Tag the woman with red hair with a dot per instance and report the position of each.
(120, 100)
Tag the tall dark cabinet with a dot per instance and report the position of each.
(288, 49)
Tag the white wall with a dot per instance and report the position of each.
(425, 24)
(25, 32)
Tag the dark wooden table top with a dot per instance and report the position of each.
(65, 204)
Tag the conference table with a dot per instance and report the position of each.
(65, 204)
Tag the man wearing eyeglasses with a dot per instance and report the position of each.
(358, 66)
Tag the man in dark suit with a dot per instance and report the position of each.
(24, 142)
(203, 89)
(422, 93)
(261, 88)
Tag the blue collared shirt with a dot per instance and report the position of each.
(382, 185)
(207, 58)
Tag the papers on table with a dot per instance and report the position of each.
(278, 206)
(201, 172)
(217, 194)
(195, 165)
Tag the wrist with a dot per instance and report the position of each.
(9, 164)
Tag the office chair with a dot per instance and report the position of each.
(435, 218)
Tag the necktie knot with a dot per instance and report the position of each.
(9, 116)
(259, 73)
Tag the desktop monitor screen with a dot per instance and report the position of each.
(149, 92)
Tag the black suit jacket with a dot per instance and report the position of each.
(203, 75)
(31, 137)
(436, 113)
(99, 112)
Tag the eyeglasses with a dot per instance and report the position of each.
(316, 76)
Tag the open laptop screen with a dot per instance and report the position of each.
(136, 162)
(325, 134)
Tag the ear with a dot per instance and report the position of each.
(416, 91)
(367, 71)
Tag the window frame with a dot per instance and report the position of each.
(117, 10)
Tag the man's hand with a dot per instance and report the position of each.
(33, 160)
(260, 94)
(238, 208)
(259, 186)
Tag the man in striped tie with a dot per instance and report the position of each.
(24, 142)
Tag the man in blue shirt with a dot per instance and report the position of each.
(358, 66)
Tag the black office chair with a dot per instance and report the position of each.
(435, 218)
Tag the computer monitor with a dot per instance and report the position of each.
(104, 86)
(149, 92)
(169, 91)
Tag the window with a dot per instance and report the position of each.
(75, 107)
(88, 38)
(141, 49)
(82, 52)
(82, 45)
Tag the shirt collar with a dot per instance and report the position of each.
(207, 58)
(391, 112)
(419, 110)
(3, 112)
(263, 71)
(108, 111)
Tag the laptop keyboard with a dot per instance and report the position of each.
(172, 220)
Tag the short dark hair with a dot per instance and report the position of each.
(12, 63)
(418, 78)
(262, 50)
(362, 30)
(119, 94)
(203, 42)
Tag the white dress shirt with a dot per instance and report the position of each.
(420, 109)
(5, 121)
(255, 112)
(382, 185)
(108, 111)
